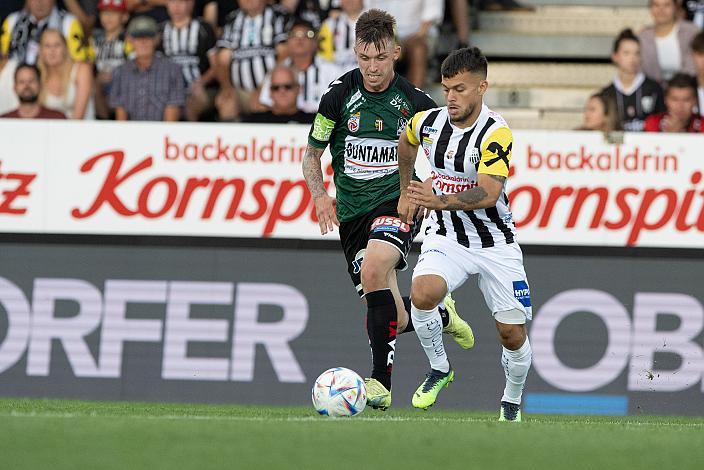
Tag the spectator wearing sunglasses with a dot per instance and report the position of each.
(313, 73)
(283, 89)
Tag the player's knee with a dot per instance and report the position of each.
(425, 296)
(511, 336)
(373, 278)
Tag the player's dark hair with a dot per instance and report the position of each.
(682, 80)
(302, 22)
(625, 35)
(467, 59)
(375, 27)
(697, 44)
(25, 65)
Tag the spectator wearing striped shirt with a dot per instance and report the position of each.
(252, 41)
(149, 87)
(314, 74)
(109, 49)
(190, 43)
(337, 36)
(19, 38)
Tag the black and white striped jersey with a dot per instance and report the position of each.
(337, 42)
(108, 54)
(456, 158)
(253, 43)
(313, 81)
(189, 46)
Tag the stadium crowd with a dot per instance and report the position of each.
(271, 61)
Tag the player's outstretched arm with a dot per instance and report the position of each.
(485, 194)
(324, 204)
(406, 162)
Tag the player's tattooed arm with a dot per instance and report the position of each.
(313, 171)
(480, 197)
(324, 203)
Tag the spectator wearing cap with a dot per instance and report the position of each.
(253, 40)
(284, 89)
(21, 30)
(28, 89)
(313, 74)
(665, 44)
(149, 87)
(190, 43)
(681, 103)
(109, 50)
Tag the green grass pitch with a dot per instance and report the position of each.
(59, 434)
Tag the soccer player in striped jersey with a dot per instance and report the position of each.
(471, 230)
(361, 116)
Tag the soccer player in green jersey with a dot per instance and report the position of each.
(361, 116)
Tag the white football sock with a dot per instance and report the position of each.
(516, 365)
(428, 325)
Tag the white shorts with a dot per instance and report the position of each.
(502, 278)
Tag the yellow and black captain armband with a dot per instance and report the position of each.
(412, 131)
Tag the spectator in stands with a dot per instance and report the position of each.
(284, 89)
(110, 49)
(337, 36)
(697, 47)
(310, 10)
(416, 28)
(155, 9)
(67, 86)
(190, 43)
(21, 31)
(314, 74)
(681, 102)
(636, 96)
(251, 43)
(28, 88)
(149, 87)
(8, 98)
(84, 10)
(665, 44)
(600, 114)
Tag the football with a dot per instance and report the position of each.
(339, 392)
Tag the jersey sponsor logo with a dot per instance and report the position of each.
(521, 292)
(353, 99)
(495, 147)
(400, 126)
(322, 128)
(353, 122)
(379, 125)
(358, 260)
(429, 130)
(393, 237)
(398, 102)
(369, 158)
(389, 224)
(450, 154)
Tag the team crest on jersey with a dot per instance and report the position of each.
(474, 156)
(379, 125)
(353, 122)
(450, 154)
(402, 123)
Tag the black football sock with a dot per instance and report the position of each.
(381, 329)
(407, 305)
(444, 316)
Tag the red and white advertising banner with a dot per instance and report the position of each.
(245, 180)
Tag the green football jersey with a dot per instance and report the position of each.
(362, 129)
